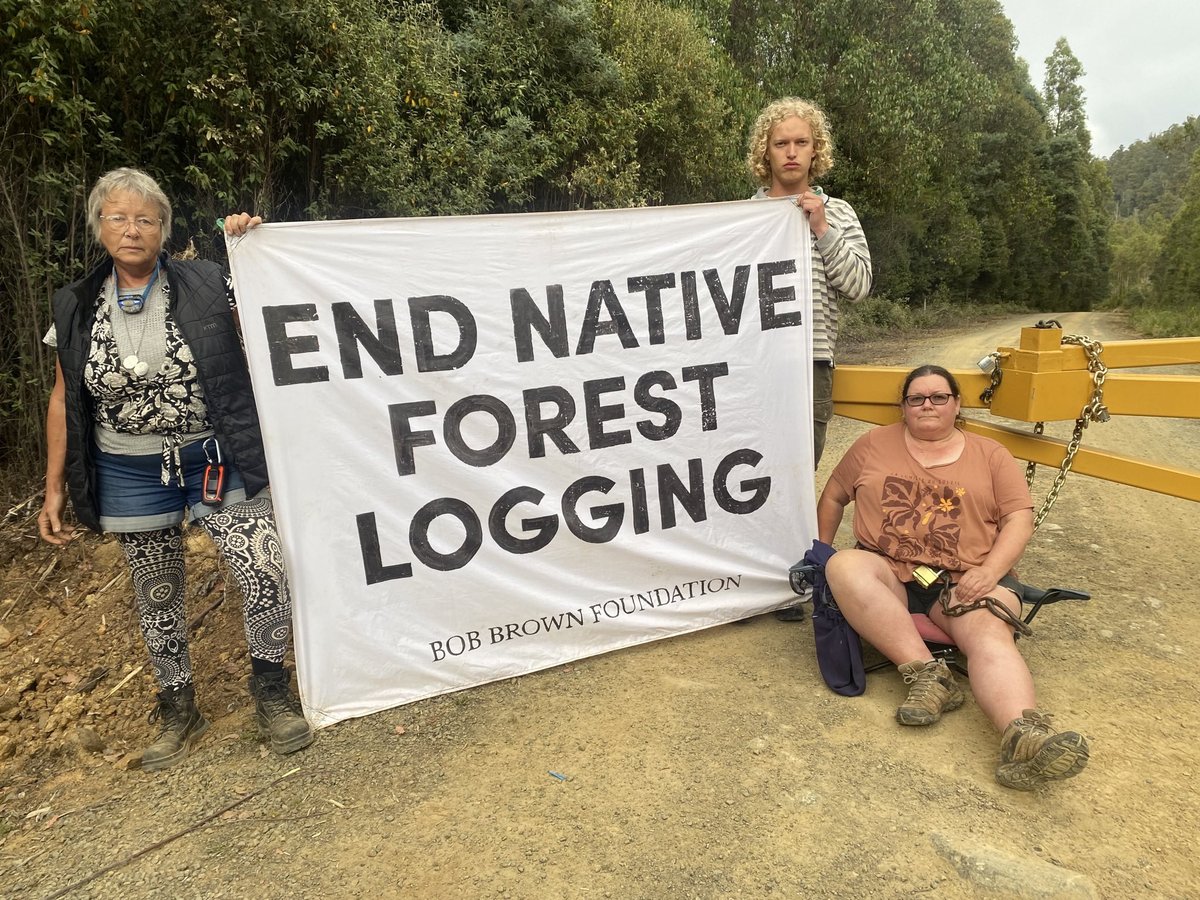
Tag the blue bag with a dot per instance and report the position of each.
(838, 646)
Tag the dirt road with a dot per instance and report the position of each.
(712, 765)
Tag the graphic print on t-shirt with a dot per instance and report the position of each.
(920, 521)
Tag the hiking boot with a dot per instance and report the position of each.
(182, 726)
(790, 614)
(1032, 752)
(278, 712)
(932, 691)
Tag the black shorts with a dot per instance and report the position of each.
(921, 599)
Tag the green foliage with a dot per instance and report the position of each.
(966, 178)
(1156, 233)
(672, 100)
(881, 315)
(1162, 322)
(1149, 176)
(970, 182)
(874, 317)
(1064, 94)
(1176, 278)
(1135, 249)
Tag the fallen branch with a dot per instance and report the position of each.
(111, 582)
(121, 683)
(45, 574)
(27, 502)
(200, 616)
(157, 845)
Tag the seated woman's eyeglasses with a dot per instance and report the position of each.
(120, 223)
(915, 400)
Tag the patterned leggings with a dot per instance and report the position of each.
(245, 535)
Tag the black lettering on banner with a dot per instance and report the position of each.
(668, 409)
(691, 305)
(602, 294)
(527, 318)
(538, 426)
(352, 331)
(597, 415)
(729, 308)
(769, 295)
(506, 429)
(283, 347)
(653, 285)
(638, 503)
(428, 360)
(455, 645)
(760, 487)
(368, 543)
(418, 534)
(404, 438)
(544, 528)
(670, 488)
(705, 374)
(612, 514)
(537, 531)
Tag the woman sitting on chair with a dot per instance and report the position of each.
(929, 494)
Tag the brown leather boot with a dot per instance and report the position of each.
(932, 691)
(1032, 752)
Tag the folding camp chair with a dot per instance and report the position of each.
(942, 646)
(837, 655)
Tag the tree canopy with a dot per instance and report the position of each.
(969, 180)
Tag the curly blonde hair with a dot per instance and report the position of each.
(774, 113)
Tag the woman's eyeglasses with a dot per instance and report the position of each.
(120, 223)
(915, 400)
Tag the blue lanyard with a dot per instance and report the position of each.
(135, 303)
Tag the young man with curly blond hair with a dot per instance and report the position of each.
(790, 147)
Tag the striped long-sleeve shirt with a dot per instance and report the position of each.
(841, 269)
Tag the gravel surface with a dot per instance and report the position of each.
(710, 765)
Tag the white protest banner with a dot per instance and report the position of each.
(501, 443)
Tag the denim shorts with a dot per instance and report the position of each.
(132, 497)
(922, 599)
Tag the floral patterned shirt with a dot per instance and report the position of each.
(167, 401)
(160, 411)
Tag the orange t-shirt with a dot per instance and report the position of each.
(945, 516)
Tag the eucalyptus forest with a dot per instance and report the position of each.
(975, 178)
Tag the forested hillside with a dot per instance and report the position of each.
(1156, 235)
(973, 179)
(1149, 176)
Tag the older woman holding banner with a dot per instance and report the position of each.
(941, 517)
(152, 424)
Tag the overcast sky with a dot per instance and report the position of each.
(1142, 60)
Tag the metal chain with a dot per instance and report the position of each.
(992, 361)
(991, 604)
(1039, 428)
(1093, 411)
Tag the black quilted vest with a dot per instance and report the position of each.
(201, 310)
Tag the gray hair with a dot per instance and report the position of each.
(131, 181)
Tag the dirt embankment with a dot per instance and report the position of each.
(712, 765)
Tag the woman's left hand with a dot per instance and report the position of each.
(237, 224)
(974, 583)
